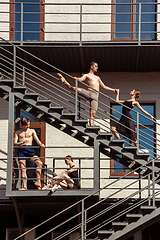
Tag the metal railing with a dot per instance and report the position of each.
(44, 87)
(79, 23)
(44, 83)
(87, 217)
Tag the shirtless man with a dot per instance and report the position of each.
(94, 82)
(24, 137)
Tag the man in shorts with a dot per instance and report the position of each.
(23, 138)
(94, 82)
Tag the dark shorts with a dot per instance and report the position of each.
(91, 96)
(25, 152)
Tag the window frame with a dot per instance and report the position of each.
(12, 21)
(133, 24)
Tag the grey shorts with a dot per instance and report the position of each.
(91, 96)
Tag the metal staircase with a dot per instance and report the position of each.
(55, 117)
(35, 98)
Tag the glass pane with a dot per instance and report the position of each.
(31, 26)
(122, 19)
(147, 19)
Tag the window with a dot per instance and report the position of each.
(146, 135)
(126, 20)
(33, 20)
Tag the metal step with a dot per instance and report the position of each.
(132, 217)
(147, 209)
(70, 116)
(132, 149)
(8, 82)
(33, 96)
(116, 226)
(105, 135)
(46, 103)
(117, 142)
(57, 109)
(104, 233)
(82, 122)
(94, 129)
(20, 89)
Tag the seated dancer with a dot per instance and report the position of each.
(93, 82)
(126, 124)
(70, 176)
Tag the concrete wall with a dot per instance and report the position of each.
(94, 20)
(3, 145)
(4, 22)
(146, 82)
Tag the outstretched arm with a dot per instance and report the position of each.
(144, 111)
(83, 78)
(106, 87)
(37, 139)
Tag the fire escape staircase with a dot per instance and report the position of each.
(116, 149)
(66, 122)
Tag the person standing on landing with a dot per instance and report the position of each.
(94, 82)
(23, 138)
(126, 124)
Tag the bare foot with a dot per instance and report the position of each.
(63, 80)
(38, 185)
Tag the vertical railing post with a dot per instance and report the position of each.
(85, 224)
(96, 165)
(80, 41)
(149, 191)
(21, 24)
(14, 65)
(153, 181)
(76, 100)
(82, 221)
(139, 31)
(23, 76)
(137, 132)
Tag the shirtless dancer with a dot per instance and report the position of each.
(24, 137)
(94, 82)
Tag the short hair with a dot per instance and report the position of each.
(137, 93)
(69, 156)
(25, 121)
(92, 63)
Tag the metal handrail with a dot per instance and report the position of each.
(122, 105)
(76, 227)
(80, 12)
(46, 82)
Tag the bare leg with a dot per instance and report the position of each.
(63, 176)
(22, 164)
(92, 117)
(134, 140)
(114, 131)
(39, 164)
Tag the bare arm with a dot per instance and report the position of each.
(117, 97)
(144, 111)
(37, 139)
(83, 78)
(106, 87)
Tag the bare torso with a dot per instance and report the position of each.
(93, 81)
(25, 136)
